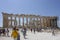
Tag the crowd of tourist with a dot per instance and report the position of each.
(15, 32)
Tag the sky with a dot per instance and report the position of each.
(36, 7)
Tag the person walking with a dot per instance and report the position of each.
(18, 38)
(53, 33)
(24, 32)
(14, 34)
(31, 29)
(7, 32)
(34, 30)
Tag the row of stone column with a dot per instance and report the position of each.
(15, 20)
(19, 19)
(44, 22)
(48, 22)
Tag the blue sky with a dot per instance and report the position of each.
(37, 7)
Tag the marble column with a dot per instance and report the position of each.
(37, 22)
(43, 22)
(15, 22)
(27, 21)
(11, 21)
(30, 23)
(51, 22)
(40, 22)
(30, 20)
(55, 23)
(47, 21)
(34, 21)
(19, 21)
(5, 21)
(23, 21)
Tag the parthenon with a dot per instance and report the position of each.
(25, 20)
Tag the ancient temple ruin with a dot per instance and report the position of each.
(25, 20)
